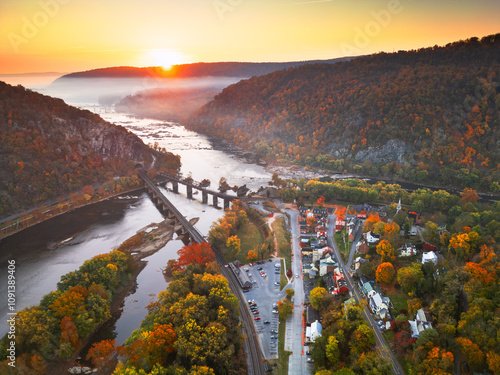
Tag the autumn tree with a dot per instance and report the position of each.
(234, 245)
(195, 254)
(251, 256)
(468, 196)
(100, 353)
(385, 273)
(316, 297)
(321, 201)
(386, 251)
(285, 308)
(370, 221)
(410, 278)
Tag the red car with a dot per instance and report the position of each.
(256, 312)
(257, 318)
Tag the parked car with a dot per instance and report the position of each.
(310, 360)
(256, 312)
(275, 312)
(256, 318)
(274, 331)
(267, 322)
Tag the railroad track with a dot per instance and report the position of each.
(252, 342)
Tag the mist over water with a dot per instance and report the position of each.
(45, 252)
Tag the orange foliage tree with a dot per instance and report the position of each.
(251, 256)
(385, 273)
(195, 254)
(370, 221)
(386, 251)
(101, 353)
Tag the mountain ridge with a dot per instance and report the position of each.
(429, 114)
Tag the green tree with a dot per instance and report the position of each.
(332, 350)
(410, 278)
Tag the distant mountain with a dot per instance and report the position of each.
(428, 115)
(216, 69)
(48, 149)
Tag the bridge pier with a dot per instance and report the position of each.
(204, 197)
(215, 201)
(226, 204)
(189, 190)
(175, 187)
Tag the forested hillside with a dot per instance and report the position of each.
(428, 116)
(49, 149)
(215, 69)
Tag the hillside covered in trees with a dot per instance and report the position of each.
(50, 149)
(214, 69)
(429, 115)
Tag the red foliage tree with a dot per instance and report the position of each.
(195, 254)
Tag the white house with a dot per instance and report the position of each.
(316, 329)
(429, 257)
(372, 237)
(380, 305)
(419, 324)
(408, 250)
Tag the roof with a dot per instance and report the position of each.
(316, 329)
(429, 257)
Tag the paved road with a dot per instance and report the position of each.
(359, 232)
(297, 364)
(381, 343)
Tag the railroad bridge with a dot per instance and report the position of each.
(183, 228)
(205, 192)
(190, 234)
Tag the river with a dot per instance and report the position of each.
(45, 252)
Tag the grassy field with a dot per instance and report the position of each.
(283, 237)
(343, 250)
(250, 237)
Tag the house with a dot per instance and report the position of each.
(326, 265)
(379, 305)
(351, 227)
(316, 329)
(408, 250)
(419, 324)
(361, 215)
(304, 229)
(362, 281)
(320, 212)
(371, 237)
(429, 257)
(362, 246)
(415, 216)
(339, 223)
(312, 315)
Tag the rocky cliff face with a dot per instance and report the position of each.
(48, 149)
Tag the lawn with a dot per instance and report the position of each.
(250, 237)
(283, 238)
(339, 241)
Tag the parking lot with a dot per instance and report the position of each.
(261, 297)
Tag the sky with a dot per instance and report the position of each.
(75, 35)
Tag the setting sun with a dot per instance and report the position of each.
(165, 58)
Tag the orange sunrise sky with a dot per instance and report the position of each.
(76, 35)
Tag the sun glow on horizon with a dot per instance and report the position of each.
(165, 58)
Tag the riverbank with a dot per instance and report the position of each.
(6, 232)
(154, 237)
